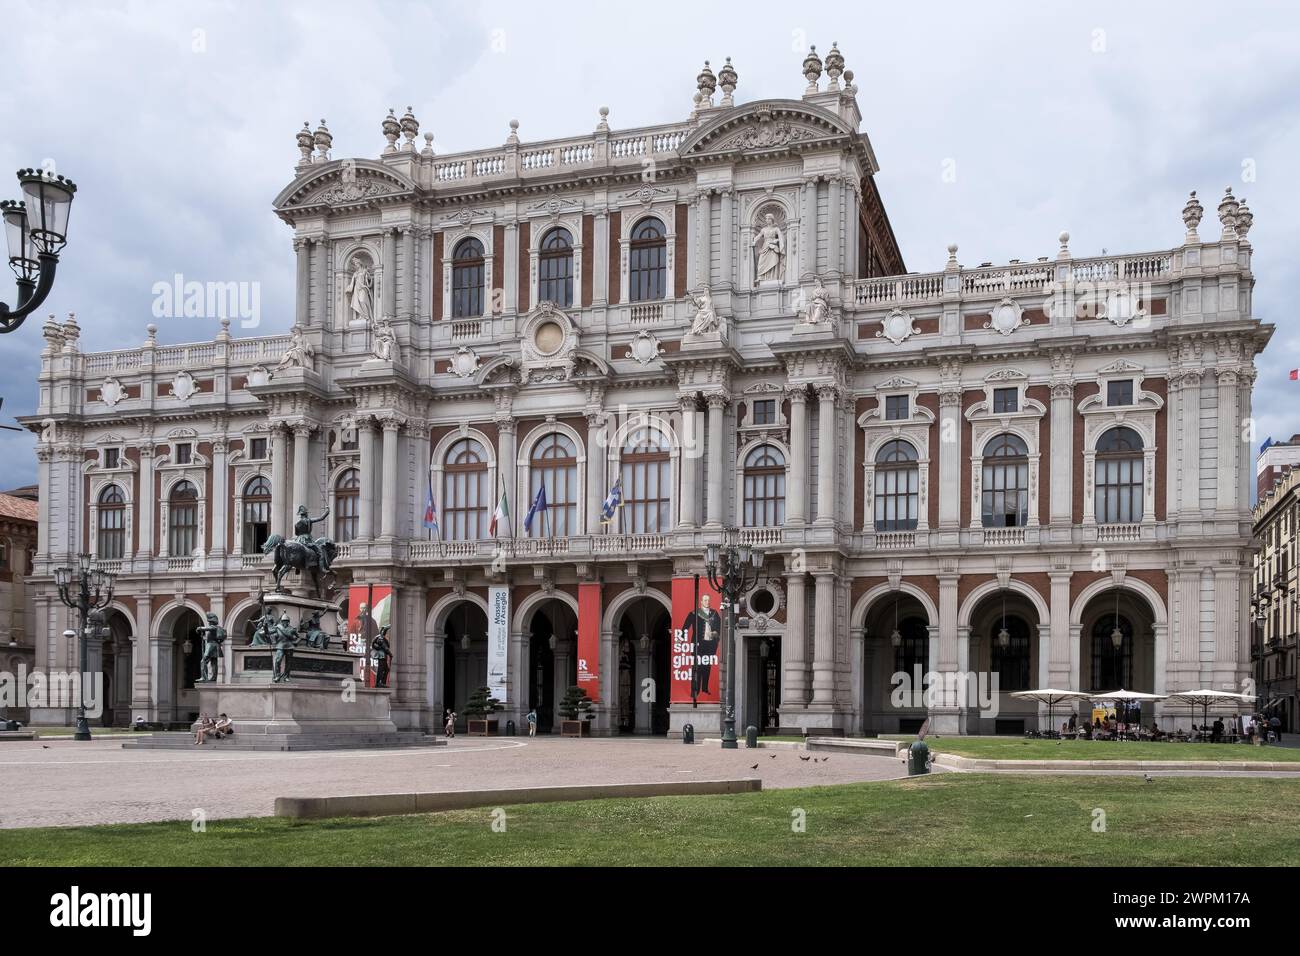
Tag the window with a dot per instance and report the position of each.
(257, 512)
(1011, 663)
(896, 408)
(647, 262)
(765, 411)
(467, 270)
(914, 649)
(1006, 400)
(646, 471)
(555, 268)
(1119, 477)
(182, 519)
(111, 458)
(1005, 497)
(897, 487)
(1112, 667)
(555, 464)
(347, 504)
(257, 449)
(764, 488)
(183, 451)
(1119, 393)
(111, 540)
(465, 491)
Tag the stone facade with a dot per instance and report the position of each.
(1275, 603)
(715, 310)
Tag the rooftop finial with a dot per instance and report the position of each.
(1228, 207)
(707, 83)
(1192, 214)
(812, 70)
(392, 129)
(1245, 218)
(834, 67)
(513, 138)
(305, 142)
(603, 125)
(727, 78)
(323, 142)
(410, 129)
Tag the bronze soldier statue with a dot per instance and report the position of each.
(213, 637)
(382, 652)
(262, 632)
(285, 636)
(315, 636)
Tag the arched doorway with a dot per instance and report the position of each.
(896, 658)
(644, 670)
(552, 660)
(1123, 661)
(187, 650)
(1004, 643)
(465, 652)
(116, 664)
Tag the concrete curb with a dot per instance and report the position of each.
(867, 745)
(773, 744)
(389, 804)
(1243, 766)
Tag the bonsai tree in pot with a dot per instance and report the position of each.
(575, 710)
(478, 713)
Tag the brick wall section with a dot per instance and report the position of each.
(615, 257)
(1160, 386)
(437, 276)
(525, 237)
(1081, 391)
(1043, 393)
(679, 256)
(588, 258)
(931, 402)
(968, 398)
(497, 304)
(1156, 578)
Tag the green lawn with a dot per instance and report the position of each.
(946, 819)
(1014, 748)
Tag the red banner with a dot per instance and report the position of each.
(697, 642)
(369, 609)
(589, 639)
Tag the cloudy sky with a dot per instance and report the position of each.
(177, 121)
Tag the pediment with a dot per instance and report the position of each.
(766, 125)
(344, 182)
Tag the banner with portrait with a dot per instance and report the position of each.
(697, 632)
(370, 607)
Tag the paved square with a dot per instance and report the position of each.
(69, 783)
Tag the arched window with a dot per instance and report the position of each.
(1010, 663)
(257, 513)
(897, 487)
(182, 519)
(1119, 477)
(646, 482)
(347, 504)
(1005, 498)
(914, 649)
(111, 540)
(1112, 667)
(647, 261)
(555, 268)
(467, 267)
(555, 463)
(465, 491)
(764, 488)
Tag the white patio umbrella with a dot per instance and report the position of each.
(1049, 696)
(1206, 696)
(1133, 696)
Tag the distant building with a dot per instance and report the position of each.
(17, 552)
(1274, 461)
(1273, 604)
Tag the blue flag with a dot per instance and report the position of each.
(430, 512)
(613, 502)
(539, 505)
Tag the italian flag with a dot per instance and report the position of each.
(500, 516)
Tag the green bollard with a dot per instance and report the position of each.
(918, 759)
(751, 736)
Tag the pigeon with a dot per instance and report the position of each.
(826, 759)
(755, 767)
(1147, 777)
(45, 746)
(772, 756)
(805, 757)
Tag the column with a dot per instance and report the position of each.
(279, 482)
(506, 464)
(950, 461)
(717, 454)
(321, 252)
(143, 508)
(388, 510)
(220, 497)
(1056, 671)
(794, 692)
(140, 657)
(600, 259)
(824, 637)
(1062, 453)
(796, 503)
(1245, 449)
(1189, 398)
(703, 211)
(834, 245)
(808, 232)
(301, 455)
(827, 397)
(1229, 433)
(728, 273)
(596, 485)
(302, 291)
(408, 264)
(366, 502)
(389, 253)
(692, 447)
(945, 717)
(510, 287)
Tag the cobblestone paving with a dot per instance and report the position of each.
(69, 783)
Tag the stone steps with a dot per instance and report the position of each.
(286, 742)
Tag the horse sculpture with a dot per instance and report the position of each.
(295, 556)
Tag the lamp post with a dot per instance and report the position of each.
(93, 592)
(733, 572)
(36, 230)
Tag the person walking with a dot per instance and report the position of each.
(1275, 725)
(532, 722)
(449, 727)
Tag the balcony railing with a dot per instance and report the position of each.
(893, 540)
(998, 536)
(1119, 532)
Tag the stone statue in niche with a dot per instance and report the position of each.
(360, 286)
(385, 347)
(770, 244)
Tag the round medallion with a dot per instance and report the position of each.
(548, 338)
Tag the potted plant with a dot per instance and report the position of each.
(478, 713)
(575, 710)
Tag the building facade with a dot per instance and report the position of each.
(17, 555)
(1275, 604)
(705, 331)
(1276, 458)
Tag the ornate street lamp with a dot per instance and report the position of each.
(733, 572)
(94, 592)
(36, 230)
